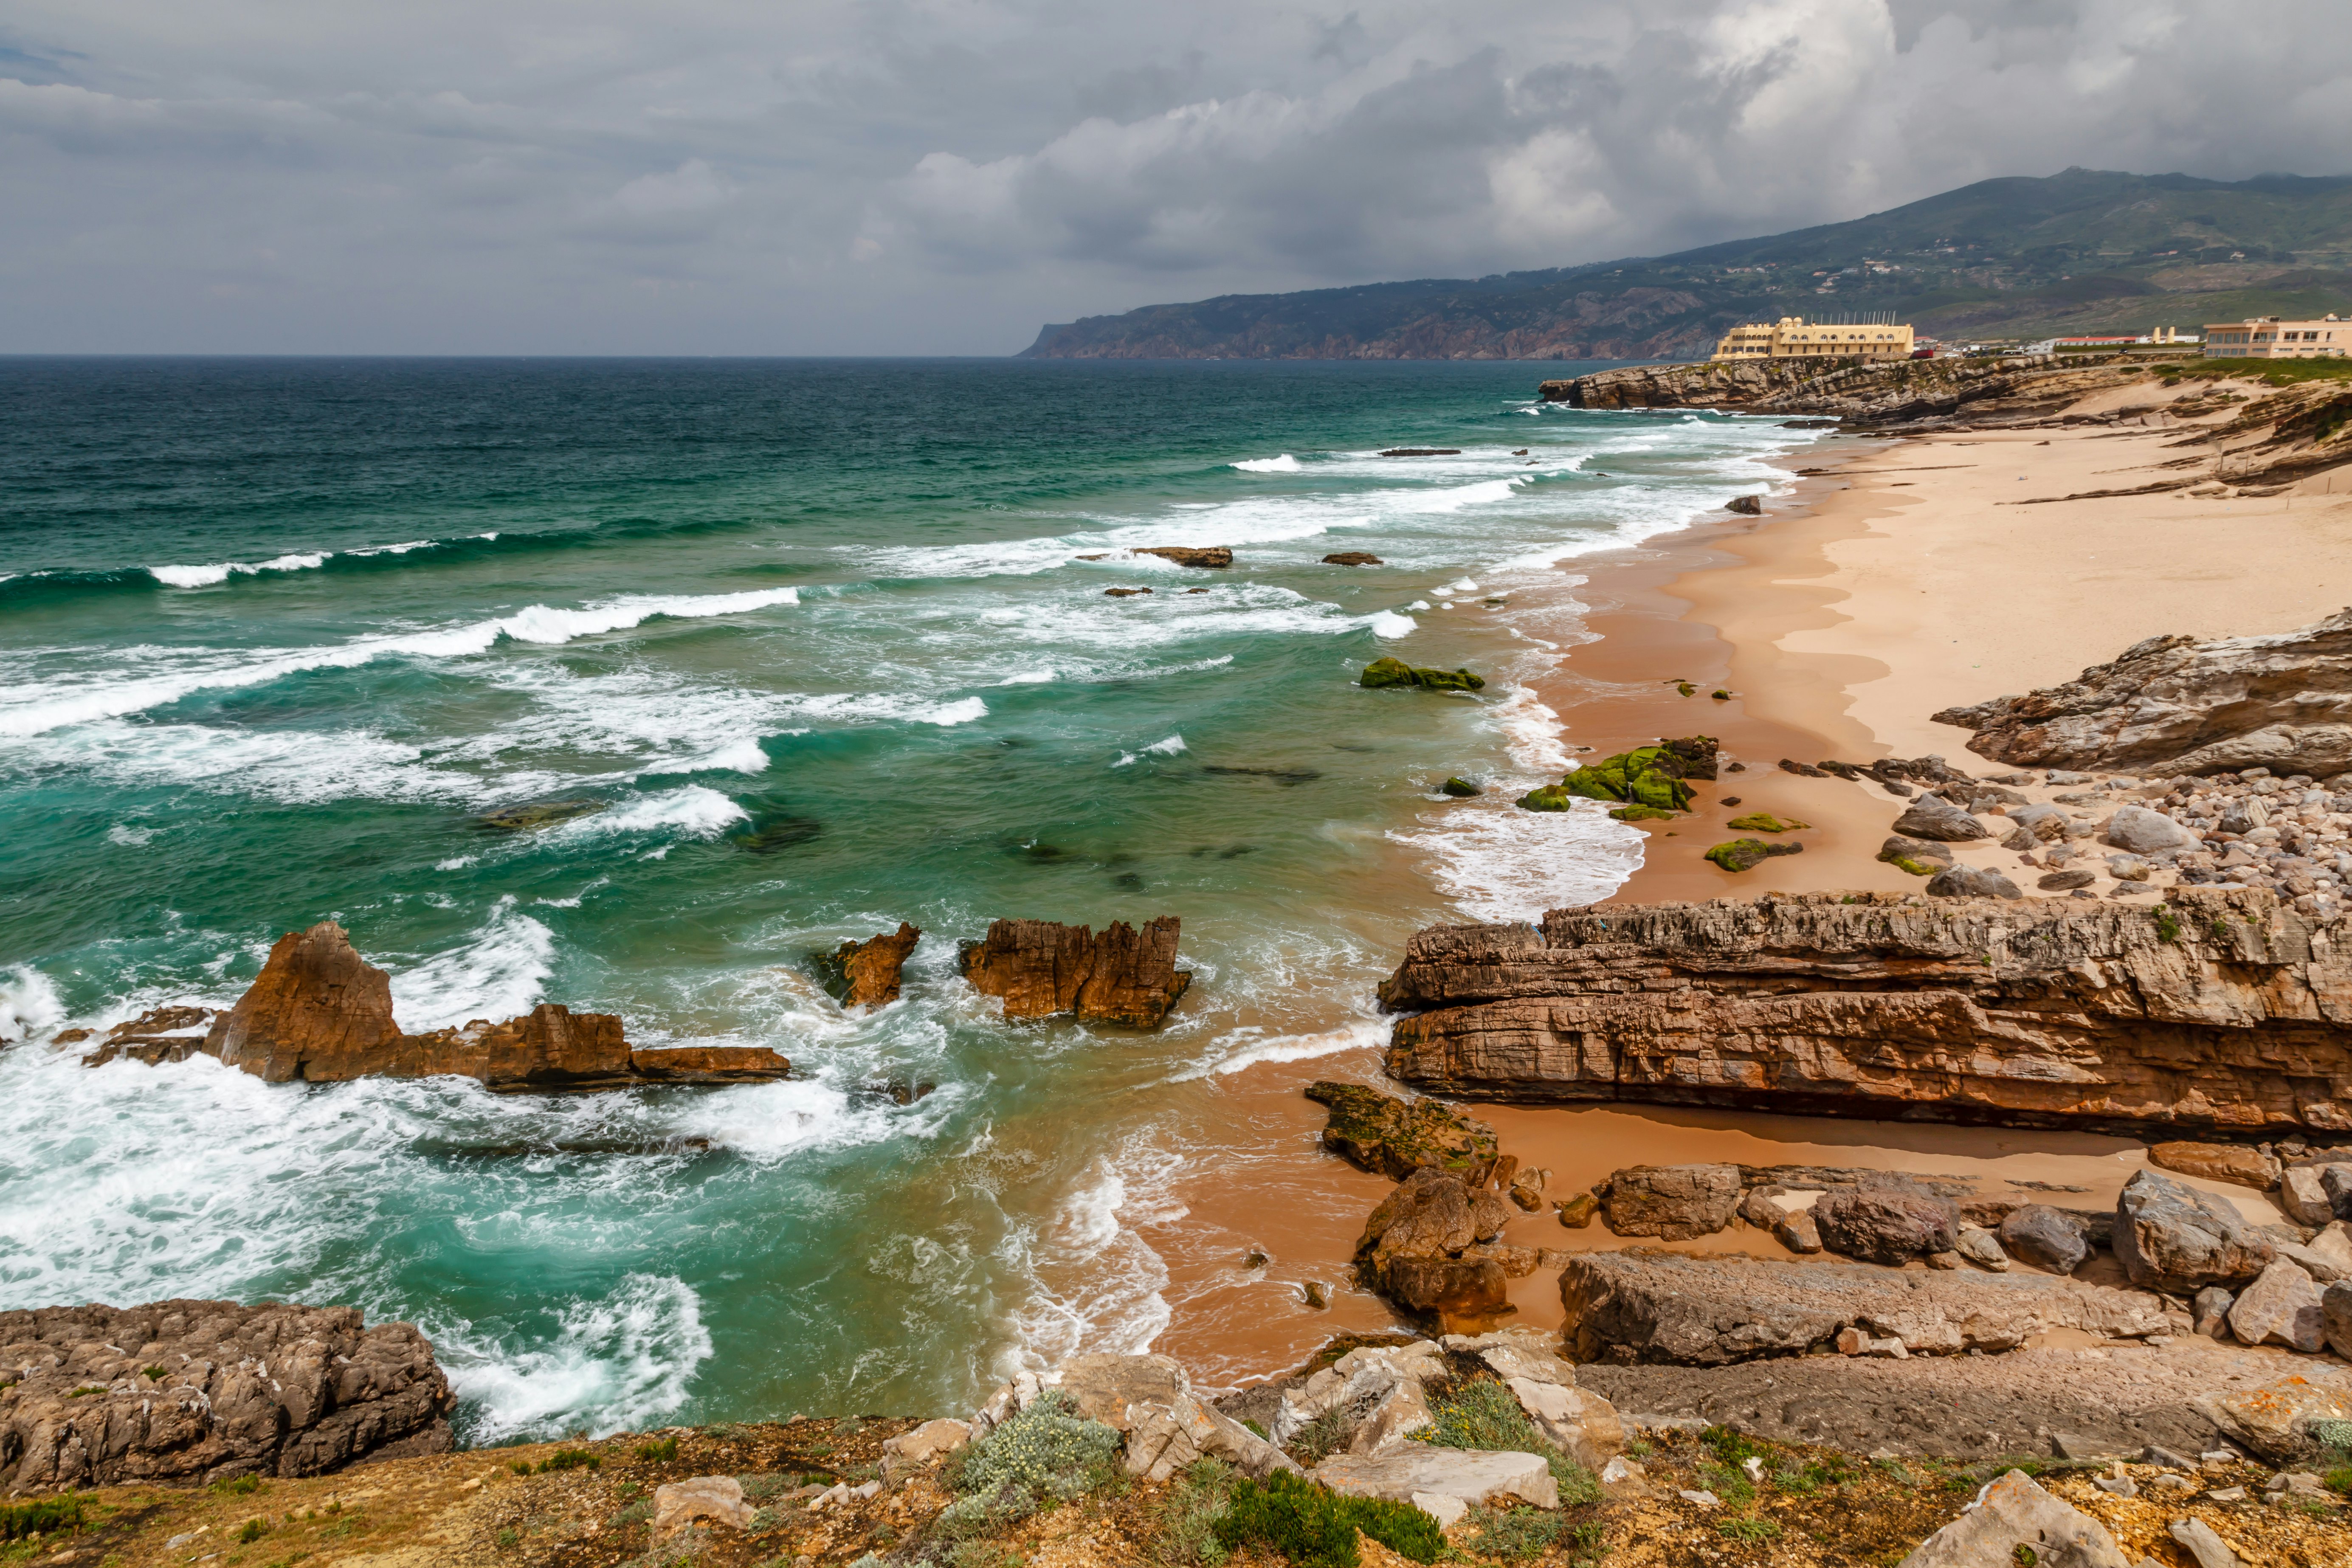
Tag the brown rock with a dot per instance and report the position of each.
(1577, 1213)
(2220, 1012)
(1039, 968)
(1216, 555)
(170, 1034)
(1451, 1288)
(1887, 1224)
(269, 1390)
(1427, 1214)
(1353, 558)
(1672, 1203)
(1394, 1138)
(865, 973)
(2219, 1163)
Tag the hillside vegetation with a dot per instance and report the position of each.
(2084, 251)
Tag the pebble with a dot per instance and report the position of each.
(2228, 1494)
(1702, 1500)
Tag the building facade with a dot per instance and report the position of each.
(1793, 337)
(2267, 337)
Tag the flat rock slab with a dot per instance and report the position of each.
(1643, 1305)
(1472, 1476)
(2113, 1402)
(2016, 1522)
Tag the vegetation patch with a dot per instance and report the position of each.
(1315, 1528)
(46, 1516)
(1484, 1415)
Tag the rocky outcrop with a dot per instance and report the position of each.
(1394, 1138)
(1416, 1245)
(319, 1013)
(199, 1391)
(1672, 1203)
(1041, 969)
(2014, 1520)
(1387, 672)
(2177, 705)
(2221, 1011)
(1644, 1305)
(1942, 391)
(865, 973)
(1212, 556)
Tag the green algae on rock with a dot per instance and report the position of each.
(1395, 672)
(1647, 775)
(1741, 854)
(1550, 798)
(1765, 822)
(1460, 788)
(1394, 1138)
(1646, 814)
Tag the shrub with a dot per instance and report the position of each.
(1516, 1534)
(660, 1453)
(45, 1517)
(237, 1486)
(1747, 1528)
(519, 1466)
(766, 1484)
(1323, 1437)
(1486, 1415)
(1047, 1454)
(253, 1529)
(1188, 1520)
(570, 1459)
(153, 1374)
(1315, 1528)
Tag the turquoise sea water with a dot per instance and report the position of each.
(817, 638)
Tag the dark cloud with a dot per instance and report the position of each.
(942, 175)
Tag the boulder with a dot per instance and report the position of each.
(1459, 789)
(1214, 556)
(1392, 671)
(2203, 1544)
(716, 1499)
(1040, 968)
(1454, 1289)
(1427, 1214)
(267, 1390)
(2302, 1198)
(1982, 1248)
(2040, 823)
(2336, 1318)
(1973, 882)
(2139, 831)
(2281, 1307)
(1672, 1203)
(1920, 856)
(1643, 1305)
(1103, 1386)
(1392, 1137)
(2066, 881)
(2335, 1182)
(1887, 1224)
(317, 1011)
(1352, 558)
(2209, 1311)
(2173, 1237)
(1577, 1213)
(1468, 1476)
(1932, 817)
(929, 1441)
(1394, 1417)
(1166, 1438)
(1580, 1423)
(2219, 1163)
(865, 973)
(1654, 776)
(1361, 1379)
(1746, 506)
(1745, 854)
(2015, 1522)
(2275, 1419)
(1798, 1232)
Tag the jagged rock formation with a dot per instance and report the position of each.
(1394, 1138)
(865, 973)
(197, 1391)
(1907, 391)
(1040, 968)
(1415, 1247)
(1212, 556)
(2176, 705)
(1644, 1305)
(2222, 1010)
(319, 1013)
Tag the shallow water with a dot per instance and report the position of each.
(816, 638)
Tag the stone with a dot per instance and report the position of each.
(1920, 856)
(2336, 1317)
(1454, 1289)
(2275, 1419)
(1361, 1379)
(1215, 556)
(1932, 817)
(1886, 1224)
(2219, 1163)
(2179, 705)
(2015, 1521)
(2209, 1311)
(1394, 1417)
(2321, 1266)
(1745, 854)
(1645, 1305)
(2116, 1486)
(2209, 1550)
(2127, 869)
(716, 1499)
(1472, 1475)
(1798, 1232)
(2302, 1197)
(1390, 671)
(2173, 1237)
(1166, 1436)
(1578, 1212)
(2065, 881)
(1973, 882)
(2281, 1307)
(1392, 1137)
(2139, 831)
(1580, 1423)
(268, 1390)
(1427, 1214)
(1654, 776)
(1672, 1203)
(1982, 1247)
(865, 973)
(1623, 1480)
(2217, 1010)
(929, 1441)
(1526, 1190)
(1352, 558)
(1039, 969)
(1459, 789)
(1746, 506)
(2335, 1182)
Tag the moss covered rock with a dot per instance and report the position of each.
(1394, 1138)
(1459, 789)
(1550, 797)
(1764, 822)
(1643, 814)
(1646, 775)
(1919, 856)
(1394, 671)
(1742, 854)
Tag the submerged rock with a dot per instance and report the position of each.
(538, 814)
(865, 973)
(777, 833)
(1214, 556)
(1041, 968)
(1392, 671)
(1763, 822)
(1654, 776)
(1353, 558)
(1459, 789)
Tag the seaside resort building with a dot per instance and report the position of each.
(2267, 337)
(1793, 337)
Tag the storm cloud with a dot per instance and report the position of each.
(909, 176)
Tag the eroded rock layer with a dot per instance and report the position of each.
(198, 1390)
(2221, 1011)
(1041, 968)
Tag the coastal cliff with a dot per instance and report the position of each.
(2221, 1011)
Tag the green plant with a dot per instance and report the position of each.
(519, 1466)
(87, 1388)
(253, 1529)
(766, 1484)
(1188, 1520)
(1484, 1415)
(237, 1486)
(153, 1374)
(1516, 1534)
(2025, 1555)
(1732, 1486)
(1317, 1529)
(570, 1459)
(971, 1554)
(2338, 1480)
(1321, 1437)
(1259, 1430)
(636, 1512)
(1047, 1454)
(45, 1517)
(661, 1452)
(2167, 929)
(2221, 929)
(1747, 1528)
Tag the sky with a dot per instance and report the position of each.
(945, 176)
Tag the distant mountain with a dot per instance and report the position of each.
(2085, 251)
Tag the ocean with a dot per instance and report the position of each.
(817, 640)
